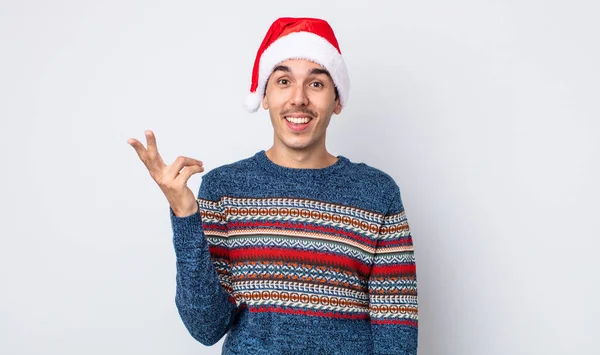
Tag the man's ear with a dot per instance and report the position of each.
(338, 107)
(265, 104)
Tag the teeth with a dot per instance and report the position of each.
(298, 120)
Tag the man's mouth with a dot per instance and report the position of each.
(298, 120)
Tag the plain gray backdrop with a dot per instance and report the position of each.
(485, 112)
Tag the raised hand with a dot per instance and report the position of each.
(172, 179)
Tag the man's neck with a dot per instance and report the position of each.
(301, 159)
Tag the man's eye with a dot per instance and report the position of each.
(316, 84)
(283, 81)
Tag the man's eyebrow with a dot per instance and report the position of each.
(284, 68)
(316, 71)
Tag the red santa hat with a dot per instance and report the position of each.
(298, 38)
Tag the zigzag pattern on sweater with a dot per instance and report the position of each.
(308, 274)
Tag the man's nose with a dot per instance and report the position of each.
(299, 96)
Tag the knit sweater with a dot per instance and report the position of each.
(297, 261)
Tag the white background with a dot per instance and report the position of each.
(485, 112)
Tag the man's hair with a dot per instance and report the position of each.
(314, 71)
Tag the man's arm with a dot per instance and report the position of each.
(393, 285)
(206, 308)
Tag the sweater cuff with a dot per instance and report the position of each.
(186, 228)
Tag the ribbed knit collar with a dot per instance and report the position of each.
(263, 160)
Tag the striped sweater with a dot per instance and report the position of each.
(297, 261)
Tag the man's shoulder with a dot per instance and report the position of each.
(223, 179)
(225, 170)
(231, 171)
(378, 185)
(370, 174)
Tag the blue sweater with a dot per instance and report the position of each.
(297, 261)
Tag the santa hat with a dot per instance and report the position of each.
(298, 38)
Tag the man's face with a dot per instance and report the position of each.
(300, 97)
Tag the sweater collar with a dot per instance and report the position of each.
(263, 160)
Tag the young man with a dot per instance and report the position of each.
(292, 250)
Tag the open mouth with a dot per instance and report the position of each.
(297, 123)
(298, 120)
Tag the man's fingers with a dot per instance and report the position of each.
(153, 150)
(152, 161)
(187, 172)
(139, 148)
(156, 165)
(179, 163)
(151, 142)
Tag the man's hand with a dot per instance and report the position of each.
(171, 179)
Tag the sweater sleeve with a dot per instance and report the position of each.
(393, 285)
(203, 281)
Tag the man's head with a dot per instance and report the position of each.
(298, 38)
(300, 77)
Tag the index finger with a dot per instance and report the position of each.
(139, 148)
(180, 163)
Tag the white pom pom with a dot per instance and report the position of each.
(252, 102)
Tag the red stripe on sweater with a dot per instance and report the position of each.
(218, 251)
(272, 309)
(292, 255)
(403, 269)
(210, 226)
(300, 255)
(411, 323)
